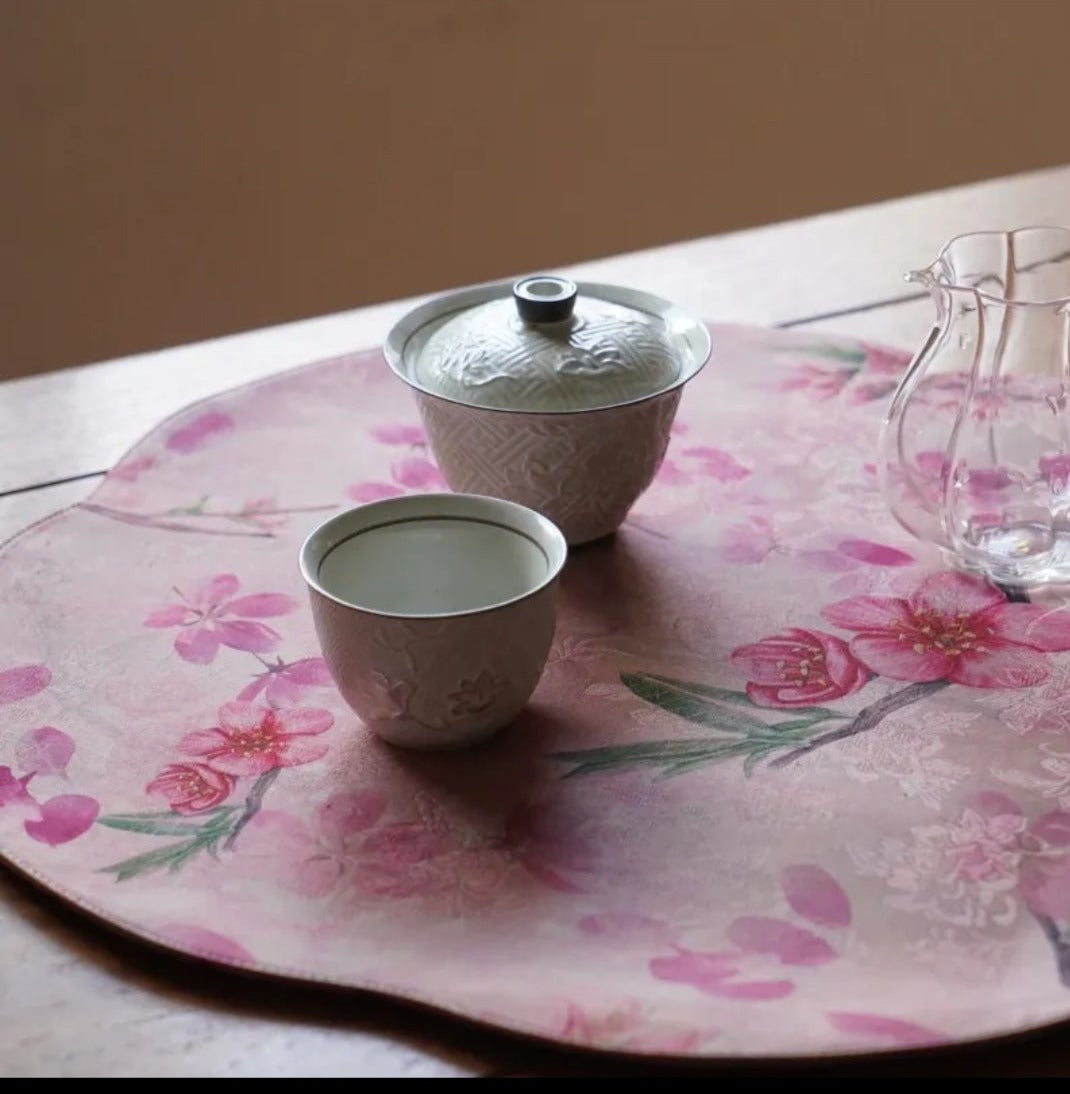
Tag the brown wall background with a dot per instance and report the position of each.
(177, 169)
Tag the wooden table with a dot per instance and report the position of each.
(76, 999)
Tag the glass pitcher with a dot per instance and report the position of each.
(975, 449)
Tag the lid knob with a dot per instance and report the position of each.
(544, 299)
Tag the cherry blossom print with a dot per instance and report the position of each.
(130, 469)
(285, 684)
(699, 462)
(44, 751)
(23, 682)
(748, 542)
(798, 668)
(880, 359)
(415, 474)
(213, 615)
(252, 739)
(474, 696)
(819, 383)
(409, 436)
(197, 433)
(191, 787)
(953, 628)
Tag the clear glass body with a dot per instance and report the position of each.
(975, 449)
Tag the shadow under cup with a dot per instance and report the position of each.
(435, 612)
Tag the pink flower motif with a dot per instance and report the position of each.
(366, 492)
(874, 554)
(822, 383)
(985, 849)
(414, 473)
(251, 739)
(212, 616)
(953, 628)
(410, 435)
(798, 668)
(886, 361)
(195, 434)
(717, 464)
(63, 819)
(192, 788)
(1055, 471)
(285, 685)
(749, 543)
(45, 751)
(129, 469)
(22, 682)
(671, 474)
(418, 474)
(870, 391)
(383, 700)
(475, 696)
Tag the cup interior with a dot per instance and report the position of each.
(433, 555)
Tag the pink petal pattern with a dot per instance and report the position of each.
(195, 434)
(791, 945)
(23, 682)
(198, 645)
(875, 554)
(260, 606)
(815, 894)
(400, 434)
(878, 1029)
(205, 943)
(365, 492)
(63, 819)
(44, 751)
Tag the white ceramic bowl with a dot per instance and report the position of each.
(582, 467)
(435, 612)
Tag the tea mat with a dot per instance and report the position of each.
(787, 787)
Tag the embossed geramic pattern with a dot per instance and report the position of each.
(604, 354)
(584, 470)
(427, 683)
(787, 786)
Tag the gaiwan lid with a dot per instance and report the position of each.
(547, 344)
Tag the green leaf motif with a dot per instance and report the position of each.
(691, 702)
(162, 824)
(172, 856)
(847, 354)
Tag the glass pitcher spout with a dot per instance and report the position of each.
(975, 448)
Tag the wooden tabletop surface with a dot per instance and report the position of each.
(77, 999)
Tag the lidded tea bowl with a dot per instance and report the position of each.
(549, 393)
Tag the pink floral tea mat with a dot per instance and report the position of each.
(787, 787)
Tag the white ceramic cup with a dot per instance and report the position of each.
(435, 612)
